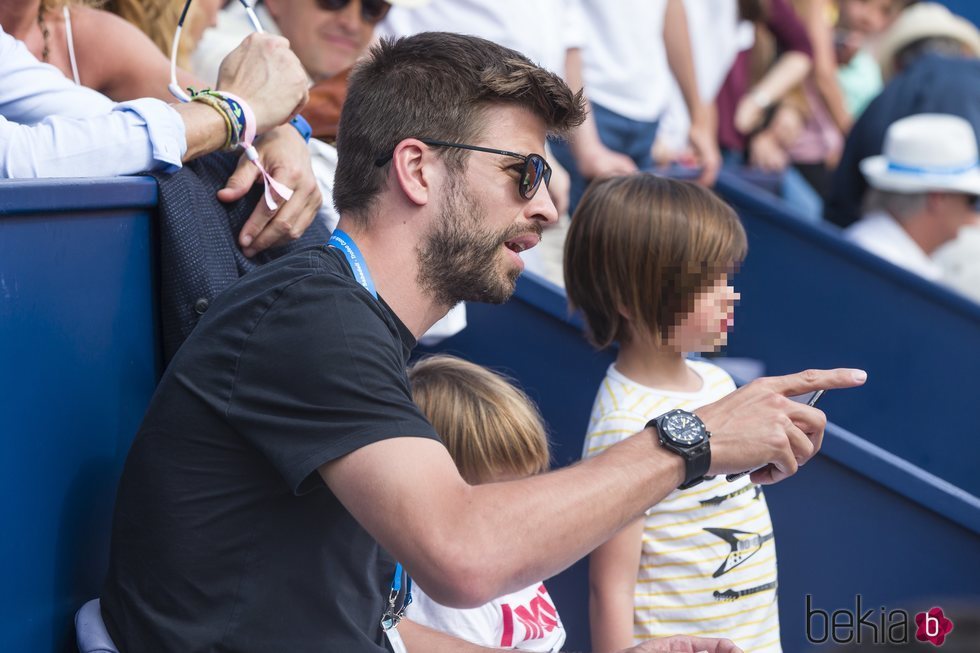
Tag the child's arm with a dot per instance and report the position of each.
(613, 568)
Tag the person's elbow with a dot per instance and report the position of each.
(460, 565)
(458, 576)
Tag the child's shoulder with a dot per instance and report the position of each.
(717, 382)
(617, 393)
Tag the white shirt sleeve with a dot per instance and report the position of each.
(51, 127)
(573, 25)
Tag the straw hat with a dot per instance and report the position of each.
(926, 152)
(924, 20)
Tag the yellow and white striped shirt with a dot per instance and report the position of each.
(708, 564)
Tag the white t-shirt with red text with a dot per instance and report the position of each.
(526, 620)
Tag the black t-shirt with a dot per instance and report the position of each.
(225, 538)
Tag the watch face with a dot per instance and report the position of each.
(684, 428)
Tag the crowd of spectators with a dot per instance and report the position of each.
(778, 90)
(861, 115)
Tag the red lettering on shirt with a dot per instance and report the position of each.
(507, 640)
(538, 617)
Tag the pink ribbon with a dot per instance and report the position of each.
(270, 184)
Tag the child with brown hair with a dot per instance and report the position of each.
(493, 433)
(647, 260)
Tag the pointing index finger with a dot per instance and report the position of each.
(810, 380)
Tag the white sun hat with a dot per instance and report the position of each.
(926, 152)
(924, 20)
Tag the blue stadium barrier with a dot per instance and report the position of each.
(79, 352)
(811, 299)
(78, 363)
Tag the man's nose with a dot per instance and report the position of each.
(541, 207)
(349, 17)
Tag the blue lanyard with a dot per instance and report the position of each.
(340, 240)
(391, 617)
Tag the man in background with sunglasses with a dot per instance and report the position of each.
(282, 455)
(328, 36)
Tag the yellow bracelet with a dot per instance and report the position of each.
(218, 105)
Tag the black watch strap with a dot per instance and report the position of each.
(696, 465)
(697, 460)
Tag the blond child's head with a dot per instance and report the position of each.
(649, 257)
(492, 430)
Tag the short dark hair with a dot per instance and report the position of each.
(435, 85)
(643, 246)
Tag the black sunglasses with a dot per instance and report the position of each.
(372, 11)
(534, 171)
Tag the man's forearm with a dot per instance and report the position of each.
(576, 508)
(135, 137)
(468, 544)
(680, 58)
(205, 129)
(585, 135)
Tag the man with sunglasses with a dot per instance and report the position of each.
(282, 455)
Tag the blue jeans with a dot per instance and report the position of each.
(634, 138)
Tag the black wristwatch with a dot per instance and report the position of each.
(685, 434)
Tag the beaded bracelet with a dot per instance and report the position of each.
(233, 108)
(241, 125)
(231, 140)
(234, 124)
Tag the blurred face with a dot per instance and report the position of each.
(867, 18)
(706, 327)
(327, 42)
(859, 21)
(204, 14)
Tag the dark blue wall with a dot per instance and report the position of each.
(77, 367)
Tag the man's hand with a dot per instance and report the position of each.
(286, 157)
(705, 144)
(766, 153)
(749, 114)
(596, 161)
(758, 425)
(685, 644)
(265, 73)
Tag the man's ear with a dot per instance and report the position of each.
(415, 167)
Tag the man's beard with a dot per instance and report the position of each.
(459, 259)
